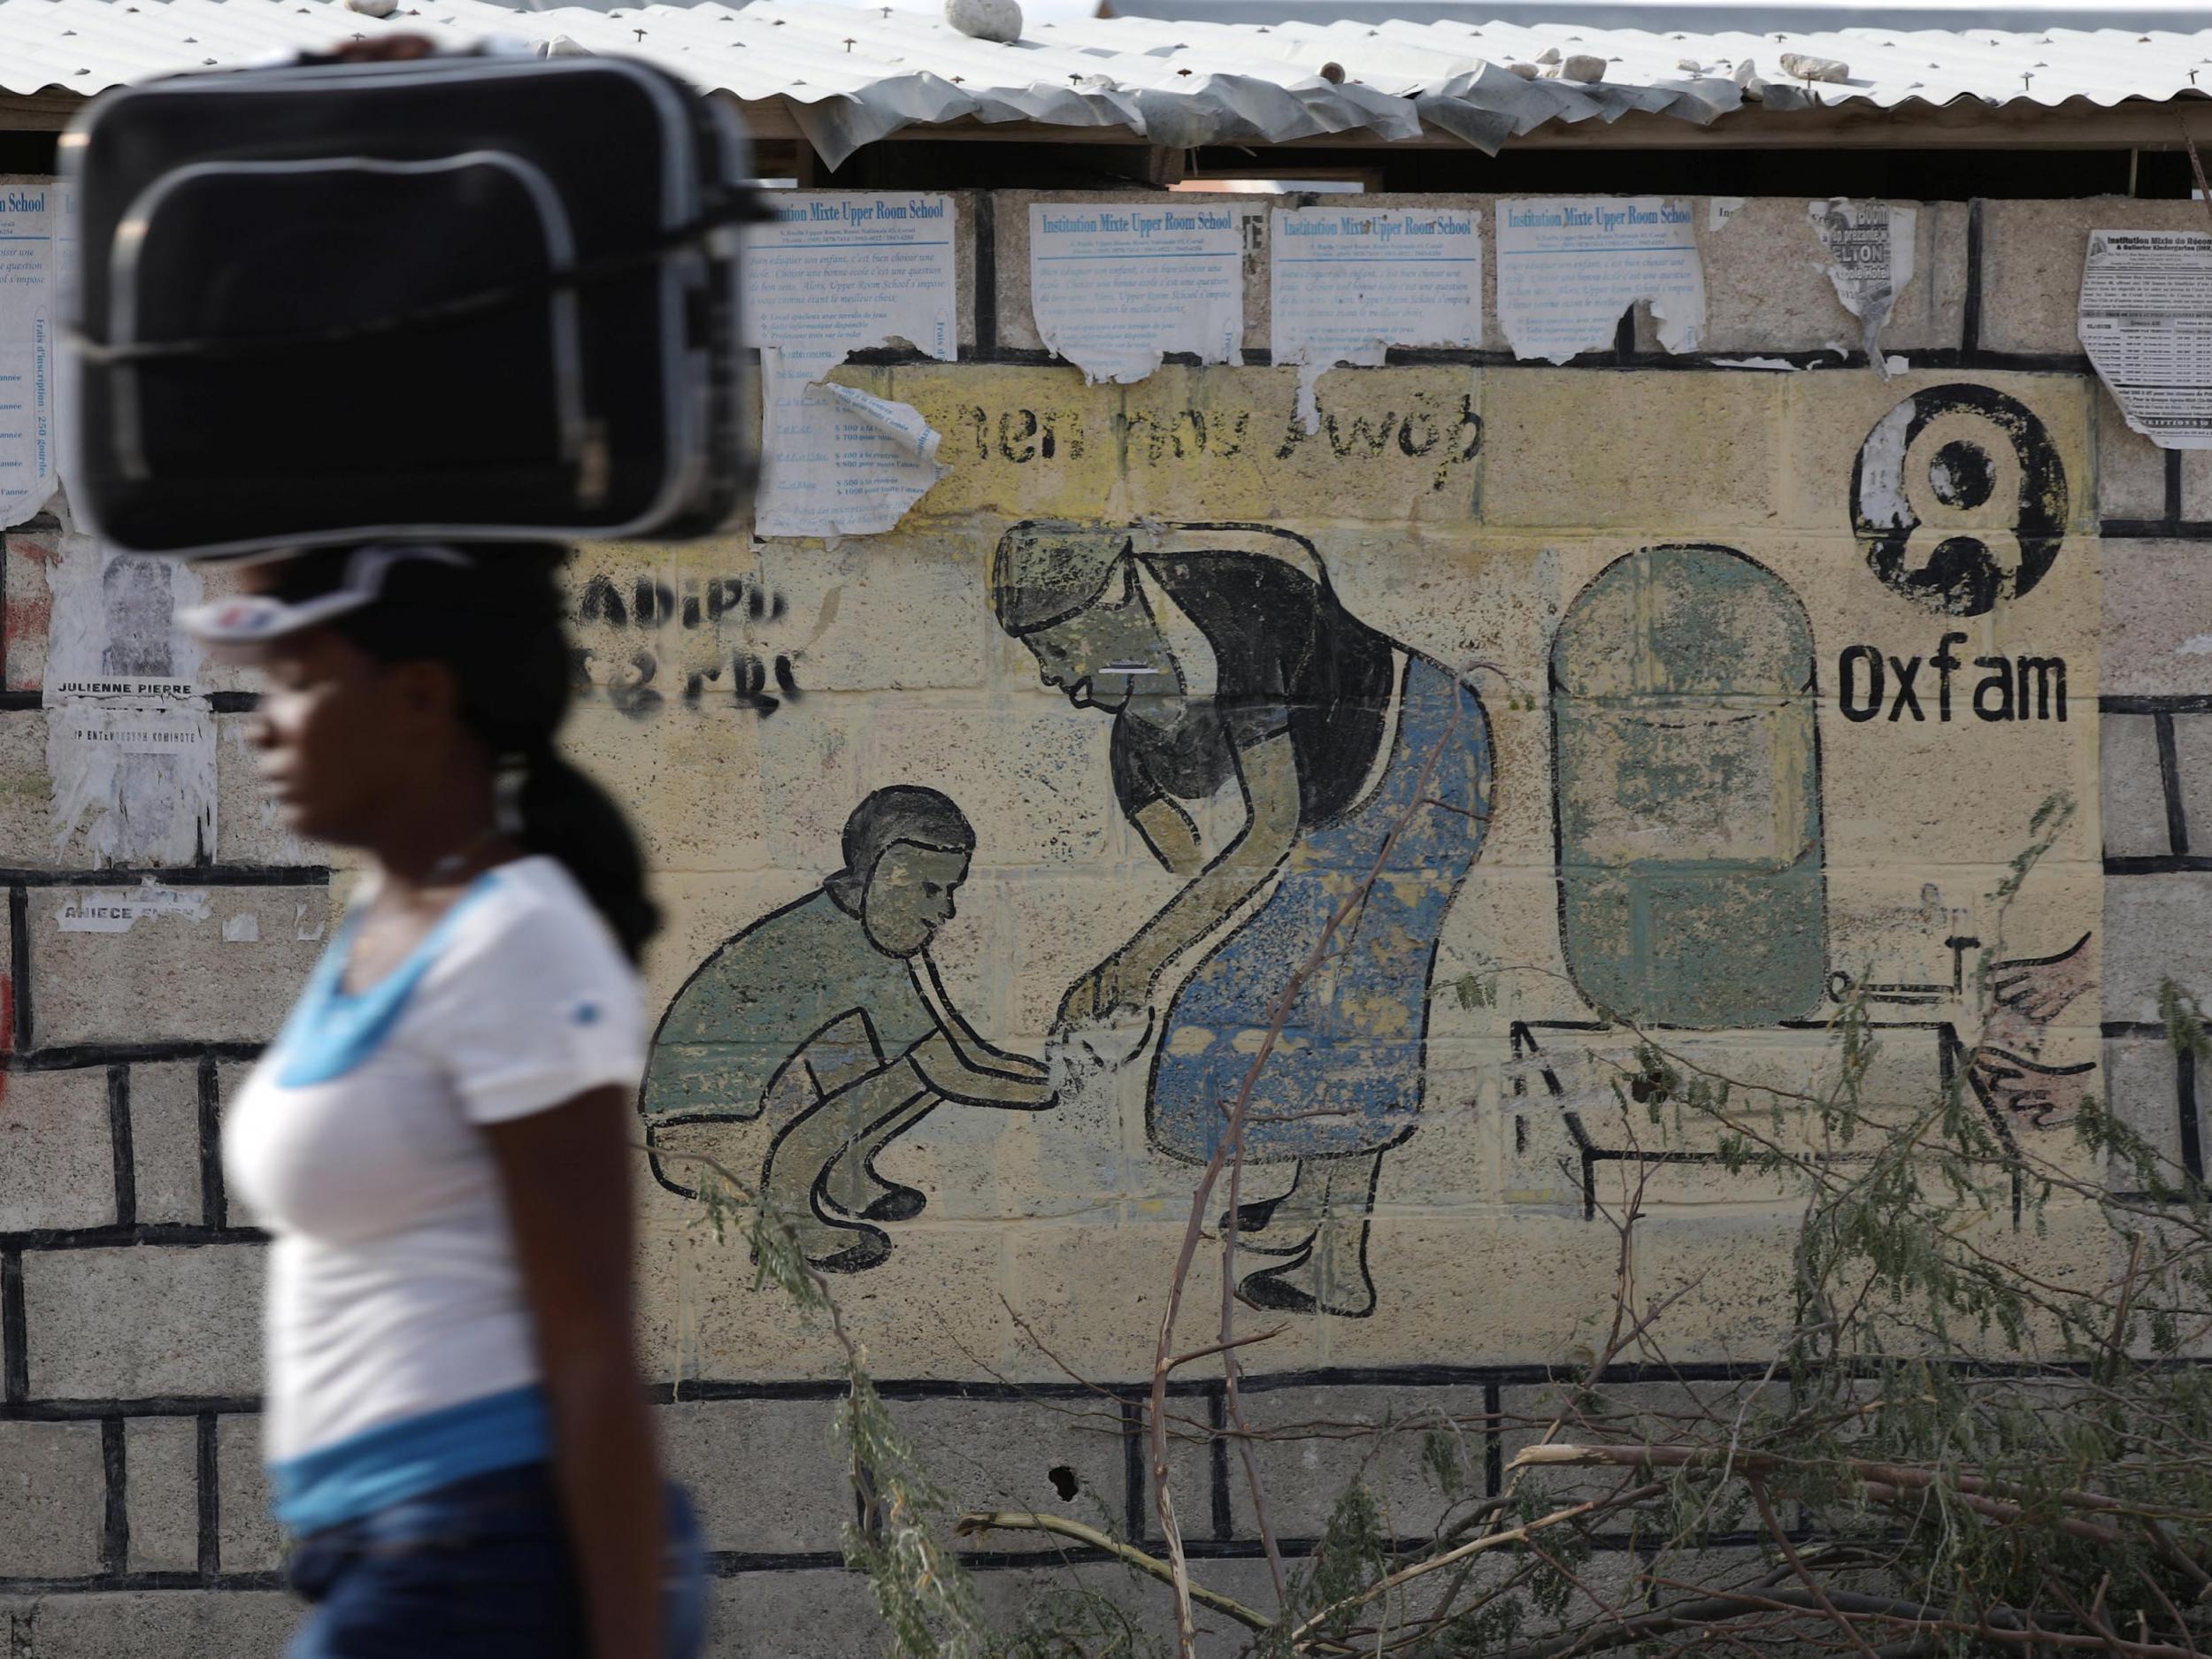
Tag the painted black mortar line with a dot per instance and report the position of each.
(15, 1375)
(120, 1146)
(214, 1202)
(985, 282)
(2182, 703)
(1135, 1481)
(18, 701)
(73, 1057)
(20, 964)
(1970, 309)
(2173, 486)
(176, 875)
(178, 1235)
(1217, 1418)
(2170, 782)
(115, 1529)
(207, 1499)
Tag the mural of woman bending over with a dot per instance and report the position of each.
(1243, 692)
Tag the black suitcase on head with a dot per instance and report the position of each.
(467, 298)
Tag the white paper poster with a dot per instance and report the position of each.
(1570, 266)
(1116, 285)
(1870, 247)
(1348, 283)
(2147, 323)
(30, 222)
(827, 276)
(130, 740)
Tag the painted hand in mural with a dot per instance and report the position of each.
(1232, 674)
(2026, 1088)
(2041, 987)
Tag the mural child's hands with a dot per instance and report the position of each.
(1116, 983)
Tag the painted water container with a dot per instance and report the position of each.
(1685, 766)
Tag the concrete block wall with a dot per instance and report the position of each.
(1465, 506)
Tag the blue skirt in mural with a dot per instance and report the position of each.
(1345, 1075)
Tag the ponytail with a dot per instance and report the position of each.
(563, 815)
(496, 623)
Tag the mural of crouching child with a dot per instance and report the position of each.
(828, 1018)
(1356, 772)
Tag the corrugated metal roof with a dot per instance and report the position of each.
(850, 76)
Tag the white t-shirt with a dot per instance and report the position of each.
(393, 1290)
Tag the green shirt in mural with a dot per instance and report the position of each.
(802, 984)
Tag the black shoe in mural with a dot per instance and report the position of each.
(1300, 1286)
(837, 1250)
(1258, 1231)
(895, 1203)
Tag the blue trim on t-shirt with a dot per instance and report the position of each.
(332, 1030)
(394, 1461)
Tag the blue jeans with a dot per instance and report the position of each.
(478, 1569)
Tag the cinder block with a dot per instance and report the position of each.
(1393, 446)
(1768, 290)
(57, 1159)
(1690, 451)
(2196, 484)
(30, 604)
(2192, 766)
(888, 612)
(163, 1624)
(763, 1472)
(2130, 469)
(53, 1500)
(165, 1141)
(27, 791)
(2157, 632)
(161, 1487)
(2156, 927)
(249, 828)
(2134, 796)
(2142, 1090)
(1016, 324)
(1829, 417)
(1313, 1444)
(2032, 262)
(230, 1077)
(1021, 772)
(689, 779)
(248, 1537)
(142, 1321)
(177, 975)
(1022, 443)
(814, 1613)
(1019, 1455)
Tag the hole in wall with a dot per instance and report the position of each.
(1064, 1481)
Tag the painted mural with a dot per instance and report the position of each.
(1386, 812)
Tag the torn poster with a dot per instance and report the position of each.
(110, 910)
(2147, 323)
(1870, 248)
(1116, 285)
(30, 217)
(130, 740)
(826, 276)
(1570, 267)
(1348, 283)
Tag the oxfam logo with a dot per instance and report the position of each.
(1959, 498)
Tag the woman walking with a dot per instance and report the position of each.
(457, 1436)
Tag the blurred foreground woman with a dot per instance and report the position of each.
(457, 1436)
